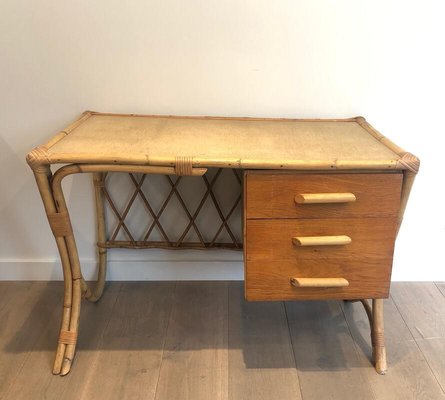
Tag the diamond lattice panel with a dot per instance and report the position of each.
(162, 211)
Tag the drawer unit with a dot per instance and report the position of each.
(275, 195)
(319, 236)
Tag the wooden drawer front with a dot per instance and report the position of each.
(270, 240)
(273, 195)
(270, 280)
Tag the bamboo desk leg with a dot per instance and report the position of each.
(377, 337)
(60, 224)
(50, 188)
(375, 317)
(75, 287)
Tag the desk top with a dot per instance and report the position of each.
(97, 138)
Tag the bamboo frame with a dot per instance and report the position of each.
(376, 325)
(408, 162)
(99, 182)
(75, 288)
(69, 322)
(405, 160)
(377, 337)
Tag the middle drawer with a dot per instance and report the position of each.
(274, 239)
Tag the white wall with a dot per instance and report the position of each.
(380, 59)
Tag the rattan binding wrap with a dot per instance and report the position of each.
(378, 339)
(38, 157)
(410, 162)
(60, 224)
(67, 337)
(183, 166)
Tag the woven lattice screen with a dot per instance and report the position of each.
(161, 211)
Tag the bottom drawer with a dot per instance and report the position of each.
(271, 280)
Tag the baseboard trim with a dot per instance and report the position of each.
(128, 270)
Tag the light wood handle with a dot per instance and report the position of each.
(319, 282)
(317, 198)
(321, 240)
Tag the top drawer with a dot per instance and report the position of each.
(272, 195)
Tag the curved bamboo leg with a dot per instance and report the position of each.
(50, 189)
(368, 310)
(43, 176)
(69, 337)
(99, 181)
(377, 335)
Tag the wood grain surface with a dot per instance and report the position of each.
(270, 280)
(327, 363)
(267, 374)
(195, 363)
(305, 350)
(272, 195)
(272, 239)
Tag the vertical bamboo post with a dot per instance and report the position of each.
(43, 176)
(99, 182)
(377, 337)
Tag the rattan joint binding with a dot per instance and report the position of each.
(183, 165)
(378, 339)
(37, 157)
(68, 337)
(410, 162)
(60, 224)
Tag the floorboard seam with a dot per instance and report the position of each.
(293, 350)
(165, 340)
(28, 355)
(228, 339)
(356, 348)
(440, 290)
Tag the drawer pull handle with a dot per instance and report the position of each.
(319, 282)
(317, 198)
(321, 240)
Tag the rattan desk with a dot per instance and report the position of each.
(322, 202)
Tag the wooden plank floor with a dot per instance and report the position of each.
(202, 340)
